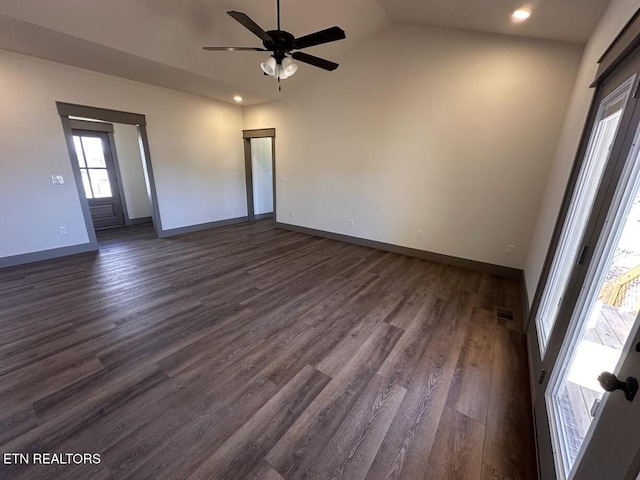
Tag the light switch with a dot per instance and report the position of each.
(57, 179)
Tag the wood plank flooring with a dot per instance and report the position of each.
(248, 352)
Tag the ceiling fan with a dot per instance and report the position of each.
(282, 44)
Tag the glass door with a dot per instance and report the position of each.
(604, 319)
(585, 318)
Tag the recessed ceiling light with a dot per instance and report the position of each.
(237, 98)
(521, 14)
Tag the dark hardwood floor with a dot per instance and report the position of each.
(249, 352)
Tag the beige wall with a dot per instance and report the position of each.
(196, 148)
(130, 161)
(443, 131)
(616, 16)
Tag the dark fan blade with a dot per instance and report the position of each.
(235, 49)
(251, 25)
(315, 61)
(323, 36)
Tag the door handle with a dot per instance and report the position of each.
(611, 383)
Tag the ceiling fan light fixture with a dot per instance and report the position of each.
(269, 66)
(280, 75)
(281, 44)
(288, 67)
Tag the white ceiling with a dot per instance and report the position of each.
(563, 20)
(159, 41)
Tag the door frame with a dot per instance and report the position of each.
(66, 110)
(100, 127)
(247, 135)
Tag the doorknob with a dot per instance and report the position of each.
(610, 383)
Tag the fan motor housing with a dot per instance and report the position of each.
(282, 43)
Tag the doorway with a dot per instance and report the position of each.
(103, 190)
(260, 166)
(583, 328)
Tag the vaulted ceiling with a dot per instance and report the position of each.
(160, 41)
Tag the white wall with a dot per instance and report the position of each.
(261, 170)
(195, 143)
(443, 131)
(614, 19)
(134, 184)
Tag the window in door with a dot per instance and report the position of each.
(590, 176)
(93, 167)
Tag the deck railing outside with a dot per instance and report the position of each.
(624, 291)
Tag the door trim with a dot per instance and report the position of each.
(97, 113)
(621, 47)
(112, 116)
(91, 126)
(259, 133)
(247, 135)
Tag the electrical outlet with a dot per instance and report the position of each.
(510, 249)
(235, 207)
(419, 234)
(281, 177)
(62, 230)
(57, 179)
(351, 222)
(187, 214)
(291, 214)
